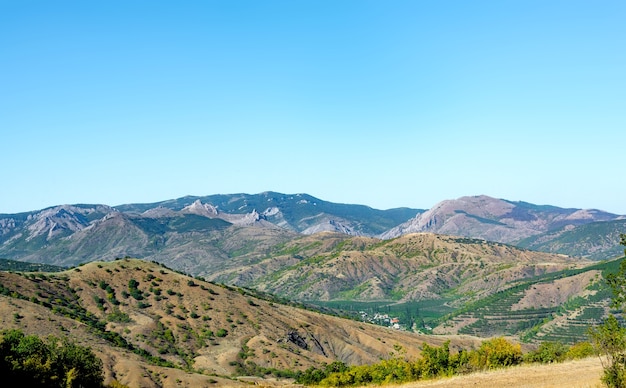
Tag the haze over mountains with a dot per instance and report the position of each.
(192, 232)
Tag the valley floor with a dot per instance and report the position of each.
(571, 374)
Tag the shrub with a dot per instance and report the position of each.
(29, 361)
(547, 352)
(496, 353)
(221, 333)
(435, 361)
(610, 340)
(118, 316)
(580, 350)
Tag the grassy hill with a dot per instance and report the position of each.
(423, 266)
(153, 326)
(440, 284)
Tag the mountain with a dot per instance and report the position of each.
(423, 266)
(299, 213)
(188, 233)
(219, 232)
(511, 222)
(154, 327)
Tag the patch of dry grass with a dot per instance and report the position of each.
(584, 373)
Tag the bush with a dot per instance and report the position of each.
(313, 376)
(580, 350)
(610, 340)
(496, 353)
(547, 352)
(221, 333)
(29, 361)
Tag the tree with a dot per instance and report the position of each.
(26, 360)
(610, 337)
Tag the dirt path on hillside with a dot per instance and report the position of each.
(572, 374)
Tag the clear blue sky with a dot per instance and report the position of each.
(382, 103)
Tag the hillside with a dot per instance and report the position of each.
(558, 306)
(449, 285)
(156, 327)
(595, 240)
(421, 266)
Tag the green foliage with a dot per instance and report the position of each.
(610, 337)
(21, 266)
(314, 376)
(118, 316)
(221, 333)
(435, 362)
(496, 353)
(610, 340)
(249, 368)
(29, 361)
(580, 350)
(548, 352)
(134, 290)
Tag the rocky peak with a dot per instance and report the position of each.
(201, 209)
(61, 220)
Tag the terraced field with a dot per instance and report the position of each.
(554, 307)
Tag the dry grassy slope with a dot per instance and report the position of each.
(174, 320)
(416, 266)
(119, 364)
(584, 373)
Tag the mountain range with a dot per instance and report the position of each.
(193, 233)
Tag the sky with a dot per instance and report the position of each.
(381, 103)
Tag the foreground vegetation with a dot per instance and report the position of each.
(610, 337)
(441, 362)
(30, 361)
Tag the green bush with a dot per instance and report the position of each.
(221, 333)
(547, 352)
(496, 353)
(580, 350)
(29, 361)
(436, 362)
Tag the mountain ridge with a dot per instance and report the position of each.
(70, 234)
